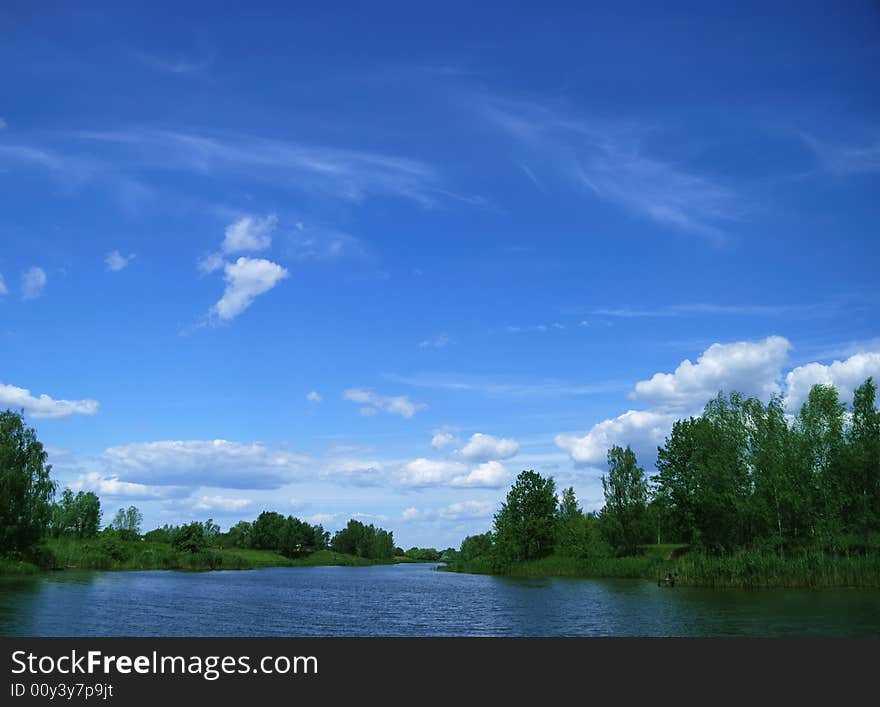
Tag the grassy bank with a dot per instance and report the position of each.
(742, 570)
(98, 554)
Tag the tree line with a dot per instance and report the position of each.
(30, 513)
(741, 476)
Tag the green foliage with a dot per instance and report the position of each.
(127, 522)
(190, 538)
(423, 554)
(78, 515)
(623, 519)
(26, 490)
(365, 541)
(474, 546)
(526, 525)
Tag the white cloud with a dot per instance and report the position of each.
(246, 279)
(357, 472)
(609, 161)
(442, 439)
(249, 234)
(33, 280)
(751, 368)
(116, 261)
(462, 510)
(491, 474)
(221, 503)
(410, 513)
(217, 463)
(368, 411)
(210, 263)
(395, 405)
(438, 342)
(44, 406)
(845, 375)
(349, 175)
(313, 396)
(3, 124)
(423, 472)
(431, 472)
(3, 289)
(844, 160)
(483, 447)
(643, 430)
(112, 486)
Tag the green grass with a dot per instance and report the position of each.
(100, 554)
(16, 568)
(742, 570)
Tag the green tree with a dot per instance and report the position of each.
(26, 491)
(863, 479)
(189, 538)
(820, 429)
(127, 522)
(78, 514)
(525, 527)
(626, 499)
(267, 531)
(474, 546)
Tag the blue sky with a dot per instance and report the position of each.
(342, 263)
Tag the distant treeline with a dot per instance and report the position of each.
(741, 477)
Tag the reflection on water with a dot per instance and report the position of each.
(411, 600)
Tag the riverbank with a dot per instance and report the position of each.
(745, 570)
(61, 554)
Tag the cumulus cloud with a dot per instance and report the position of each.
(210, 263)
(313, 396)
(44, 406)
(483, 447)
(462, 510)
(752, 368)
(221, 503)
(33, 280)
(357, 472)
(116, 261)
(395, 405)
(442, 439)
(424, 472)
(643, 430)
(491, 474)
(846, 376)
(246, 279)
(111, 486)
(250, 233)
(217, 463)
(431, 472)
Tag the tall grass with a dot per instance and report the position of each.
(757, 570)
(743, 570)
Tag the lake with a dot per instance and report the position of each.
(411, 600)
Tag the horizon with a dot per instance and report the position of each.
(368, 267)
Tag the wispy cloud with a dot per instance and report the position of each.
(706, 308)
(33, 281)
(351, 175)
(436, 342)
(845, 159)
(181, 66)
(482, 385)
(393, 404)
(611, 163)
(116, 261)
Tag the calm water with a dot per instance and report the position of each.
(411, 600)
